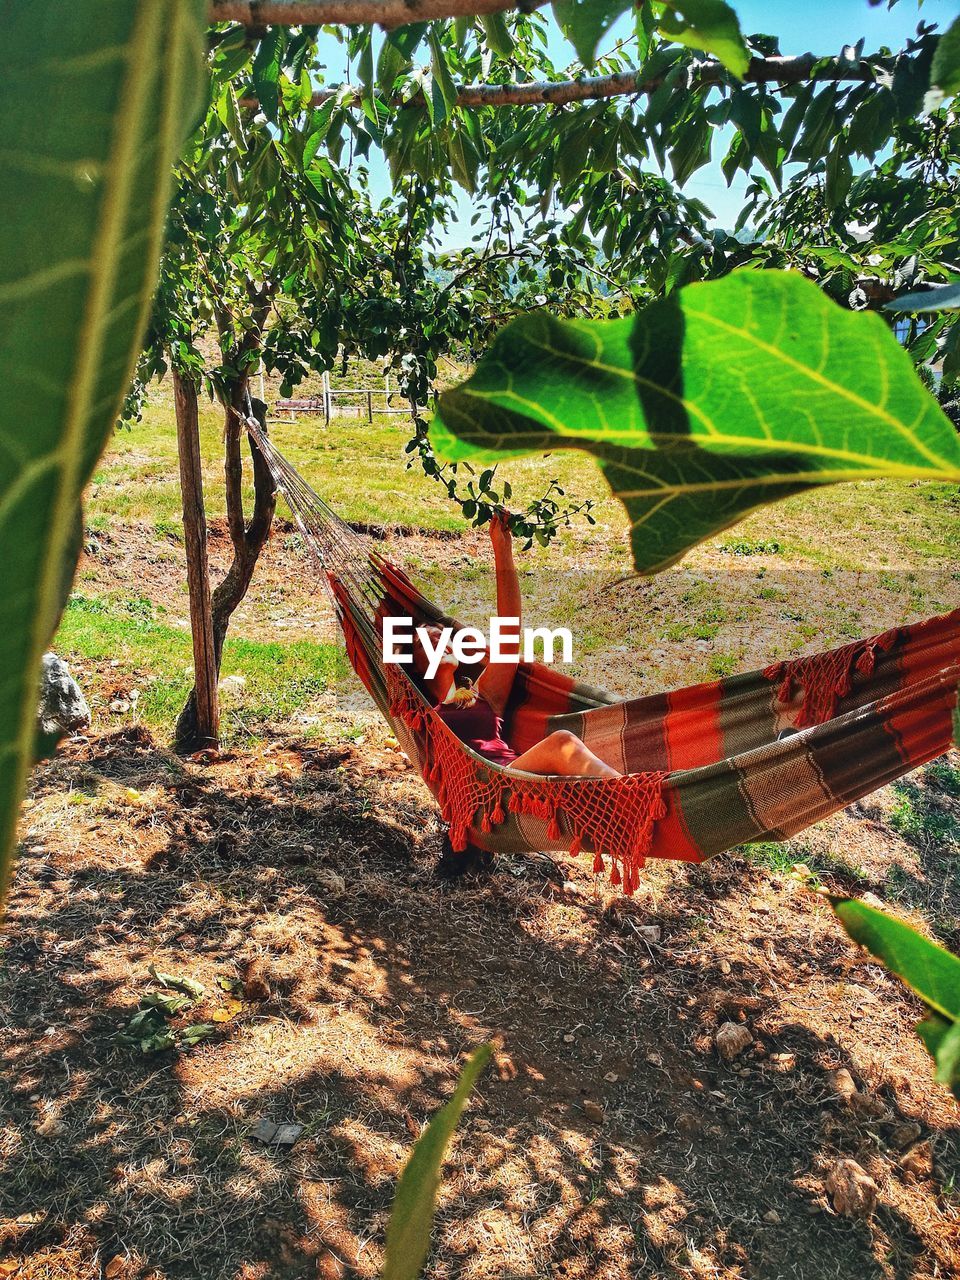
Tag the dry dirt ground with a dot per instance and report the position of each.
(343, 985)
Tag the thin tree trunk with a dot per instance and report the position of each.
(248, 538)
(204, 727)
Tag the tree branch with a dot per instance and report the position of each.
(385, 13)
(779, 70)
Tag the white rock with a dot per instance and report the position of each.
(63, 708)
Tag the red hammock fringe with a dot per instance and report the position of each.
(614, 817)
(825, 678)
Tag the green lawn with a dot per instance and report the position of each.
(816, 570)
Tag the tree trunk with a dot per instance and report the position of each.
(248, 538)
(204, 730)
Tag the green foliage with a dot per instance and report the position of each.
(586, 22)
(945, 70)
(925, 823)
(710, 25)
(930, 971)
(408, 1233)
(279, 679)
(95, 100)
(707, 25)
(706, 404)
(149, 1027)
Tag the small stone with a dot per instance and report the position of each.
(611, 1077)
(731, 1040)
(902, 1135)
(917, 1163)
(256, 981)
(569, 1038)
(264, 1130)
(724, 966)
(772, 1217)
(649, 933)
(287, 1134)
(844, 1085)
(119, 707)
(867, 1106)
(333, 882)
(593, 1111)
(277, 1135)
(852, 1190)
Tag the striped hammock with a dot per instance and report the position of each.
(750, 757)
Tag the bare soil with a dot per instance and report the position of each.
(609, 1141)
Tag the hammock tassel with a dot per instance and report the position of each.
(553, 828)
(598, 863)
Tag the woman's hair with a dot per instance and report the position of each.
(465, 693)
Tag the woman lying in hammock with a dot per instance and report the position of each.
(475, 711)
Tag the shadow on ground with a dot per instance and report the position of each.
(609, 1140)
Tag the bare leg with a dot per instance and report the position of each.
(563, 752)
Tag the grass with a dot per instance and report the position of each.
(363, 466)
(798, 860)
(157, 657)
(920, 818)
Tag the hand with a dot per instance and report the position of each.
(500, 534)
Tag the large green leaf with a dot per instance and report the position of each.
(930, 971)
(586, 22)
(710, 25)
(95, 99)
(706, 404)
(408, 1234)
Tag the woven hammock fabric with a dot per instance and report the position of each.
(750, 757)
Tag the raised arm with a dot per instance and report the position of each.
(497, 679)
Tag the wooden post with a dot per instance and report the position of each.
(198, 569)
(326, 398)
(369, 406)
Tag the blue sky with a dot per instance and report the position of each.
(820, 26)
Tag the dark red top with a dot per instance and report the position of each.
(480, 728)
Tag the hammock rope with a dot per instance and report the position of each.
(756, 756)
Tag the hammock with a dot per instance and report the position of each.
(750, 757)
